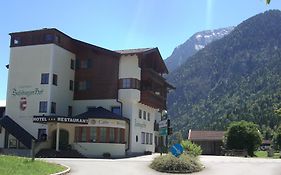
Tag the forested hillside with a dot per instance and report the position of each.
(234, 78)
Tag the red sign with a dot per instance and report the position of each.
(23, 103)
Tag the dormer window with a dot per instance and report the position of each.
(49, 38)
(17, 41)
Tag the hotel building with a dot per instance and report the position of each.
(69, 94)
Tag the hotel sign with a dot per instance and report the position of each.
(20, 92)
(59, 119)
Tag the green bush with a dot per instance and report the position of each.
(171, 164)
(243, 135)
(191, 148)
(277, 138)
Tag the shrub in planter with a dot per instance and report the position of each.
(106, 155)
(171, 164)
(191, 148)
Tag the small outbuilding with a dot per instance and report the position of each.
(210, 141)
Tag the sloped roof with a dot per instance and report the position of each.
(205, 135)
(100, 112)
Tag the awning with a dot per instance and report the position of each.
(17, 131)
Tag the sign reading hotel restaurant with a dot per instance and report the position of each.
(59, 119)
(107, 123)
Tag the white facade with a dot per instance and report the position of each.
(26, 65)
(26, 91)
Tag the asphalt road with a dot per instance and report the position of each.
(214, 165)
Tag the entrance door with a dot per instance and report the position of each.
(64, 136)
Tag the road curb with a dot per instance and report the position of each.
(63, 172)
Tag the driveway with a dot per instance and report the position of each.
(214, 165)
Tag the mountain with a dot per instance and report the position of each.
(234, 78)
(195, 43)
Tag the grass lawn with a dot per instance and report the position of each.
(24, 166)
(263, 154)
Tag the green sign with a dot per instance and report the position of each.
(163, 131)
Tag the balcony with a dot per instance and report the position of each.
(152, 75)
(149, 98)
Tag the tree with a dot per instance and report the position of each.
(277, 138)
(243, 135)
(267, 1)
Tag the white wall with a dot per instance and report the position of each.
(61, 94)
(128, 67)
(26, 65)
(137, 125)
(97, 149)
(25, 68)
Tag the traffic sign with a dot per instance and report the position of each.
(163, 124)
(163, 131)
(176, 149)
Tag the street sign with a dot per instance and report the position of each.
(176, 149)
(163, 131)
(163, 124)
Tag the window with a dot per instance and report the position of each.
(16, 41)
(72, 63)
(55, 79)
(144, 115)
(150, 138)
(111, 135)
(43, 106)
(85, 64)
(103, 135)
(84, 85)
(44, 78)
(83, 134)
(147, 138)
(53, 107)
(116, 110)
(42, 134)
(137, 138)
(71, 85)
(99, 134)
(69, 111)
(126, 83)
(129, 83)
(57, 39)
(148, 116)
(142, 137)
(93, 136)
(49, 38)
(140, 112)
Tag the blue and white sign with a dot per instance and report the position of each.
(176, 149)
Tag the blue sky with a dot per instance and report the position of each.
(123, 24)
